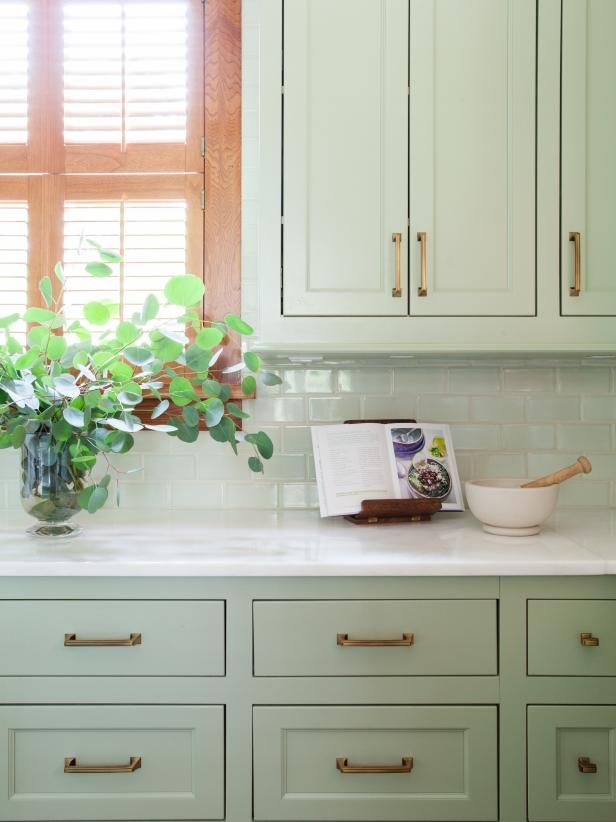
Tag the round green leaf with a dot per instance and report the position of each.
(93, 497)
(138, 356)
(269, 378)
(99, 269)
(46, 290)
(150, 308)
(207, 338)
(191, 416)
(238, 324)
(74, 416)
(18, 436)
(56, 347)
(160, 409)
(185, 290)
(252, 361)
(214, 410)
(38, 337)
(39, 315)
(196, 358)
(264, 445)
(8, 320)
(97, 313)
(255, 464)
(28, 359)
(127, 333)
(181, 391)
(249, 386)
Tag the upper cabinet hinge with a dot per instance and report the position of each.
(282, 89)
(203, 199)
(408, 90)
(203, 147)
(282, 220)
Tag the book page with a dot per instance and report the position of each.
(353, 463)
(424, 463)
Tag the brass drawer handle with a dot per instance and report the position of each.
(71, 766)
(589, 640)
(396, 291)
(71, 641)
(575, 238)
(406, 766)
(586, 765)
(406, 640)
(422, 291)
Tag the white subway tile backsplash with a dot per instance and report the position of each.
(529, 379)
(508, 418)
(474, 380)
(443, 408)
(582, 380)
(552, 408)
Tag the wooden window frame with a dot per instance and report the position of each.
(222, 114)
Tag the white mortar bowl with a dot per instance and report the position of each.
(505, 508)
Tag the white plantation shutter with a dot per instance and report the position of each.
(132, 78)
(14, 49)
(13, 260)
(150, 235)
(102, 122)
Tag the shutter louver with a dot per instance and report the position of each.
(134, 90)
(13, 73)
(152, 239)
(13, 261)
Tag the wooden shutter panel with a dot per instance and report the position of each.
(136, 104)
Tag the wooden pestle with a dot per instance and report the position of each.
(582, 466)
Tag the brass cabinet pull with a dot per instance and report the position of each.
(406, 766)
(71, 641)
(397, 290)
(422, 291)
(575, 238)
(589, 640)
(71, 766)
(406, 640)
(586, 765)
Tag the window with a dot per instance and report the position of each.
(106, 108)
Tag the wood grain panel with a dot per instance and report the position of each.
(223, 134)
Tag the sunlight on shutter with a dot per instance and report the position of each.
(125, 72)
(13, 261)
(152, 239)
(13, 72)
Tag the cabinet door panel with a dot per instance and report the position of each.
(344, 149)
(559, 789)
(588, 157)
(472, 150)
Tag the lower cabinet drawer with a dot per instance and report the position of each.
(429, 637)
(112, 638)
(375, 763)
(126, 762)
(571, 637)
(571, 763)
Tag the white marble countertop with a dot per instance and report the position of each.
(299, 543)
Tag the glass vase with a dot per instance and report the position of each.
(50, 486)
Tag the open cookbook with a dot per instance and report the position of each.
(376, 461)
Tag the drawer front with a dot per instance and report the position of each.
(453, 753)
(449, 637)
(181, 752)
(178, 638)
(561, 788)
(555, 643)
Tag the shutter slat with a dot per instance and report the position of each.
(14, 262)
(140, 81)
(14, 73)
(154, 249)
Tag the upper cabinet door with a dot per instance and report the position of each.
(472, 157)
(345, 139)
(588, 227)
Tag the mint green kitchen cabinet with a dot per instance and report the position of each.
(580, 635)
(473, 69)
(122, 762)
(419, 637)
(376, 764)
(142, 638)
(437, 121)
(345, 127)
(588, 242)
(486, 709)
(571, 763)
